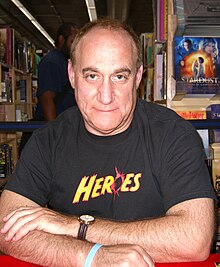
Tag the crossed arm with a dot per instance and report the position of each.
(43, 236)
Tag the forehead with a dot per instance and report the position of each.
(99, 40)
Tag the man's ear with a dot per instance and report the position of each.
(71, 74)
(139, 76)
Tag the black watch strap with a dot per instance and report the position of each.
(84, 222)
(82, 231)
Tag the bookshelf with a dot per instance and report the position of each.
(194, 107)
(16, 104)
(17, 92)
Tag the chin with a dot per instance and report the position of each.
(105, 130)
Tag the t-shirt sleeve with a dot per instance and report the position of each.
(32, 176)
(184, 174)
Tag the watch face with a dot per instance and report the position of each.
(87, 219)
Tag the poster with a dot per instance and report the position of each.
(197, 65)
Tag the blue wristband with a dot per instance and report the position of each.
(91, 255)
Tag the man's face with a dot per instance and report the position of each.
(105, 79)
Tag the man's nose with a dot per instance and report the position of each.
(106, 92)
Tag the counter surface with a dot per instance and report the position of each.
(7, 261)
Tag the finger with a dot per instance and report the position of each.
(12, 213)
(17, 211)
(11, 218)
(12, 227)
(148, 260)
(34, 221)
(25, 229)
(16, 227)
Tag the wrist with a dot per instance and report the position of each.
(90, 257)
(84, 222)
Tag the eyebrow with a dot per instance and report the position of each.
(124, 69)
(89, 69)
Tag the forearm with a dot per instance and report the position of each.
(38, 246)
(39, 235)
(62, 250)
(48, 250)
(169, 238)
(162, 242)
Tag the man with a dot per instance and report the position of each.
(55, 93)
(137, 167)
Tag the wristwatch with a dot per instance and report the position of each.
(85, 221)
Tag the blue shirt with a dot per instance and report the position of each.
(53, 76)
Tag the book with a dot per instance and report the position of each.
(160, 77)
(192, 114)
(3, 45)
(204, 134)
(5, 160)
(216, 176)
(216, 150)
(147, 45)
(197, 65)
(7, 45)
(22, 56)
(21, 87)
(165, 19)
(213, 112)
(162, 13)
(162, 20)
(215, 135)
(150, 84)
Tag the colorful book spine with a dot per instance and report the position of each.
(192, 114)
(162, 13)
(165, 19)
(5, 160)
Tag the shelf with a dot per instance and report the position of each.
(28, 126)
(9, 126)
(206, 124)
(7, 140)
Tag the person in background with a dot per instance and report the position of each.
(114, 181)
(55, 93)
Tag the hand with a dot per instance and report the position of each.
(25, 219)
(123, 255)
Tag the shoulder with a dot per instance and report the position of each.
(53, 57)
(156, 112)
(162, 119)
(64, 125)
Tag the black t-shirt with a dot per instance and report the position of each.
(156, 163)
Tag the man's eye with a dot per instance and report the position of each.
(119, 78)
(92, 77)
